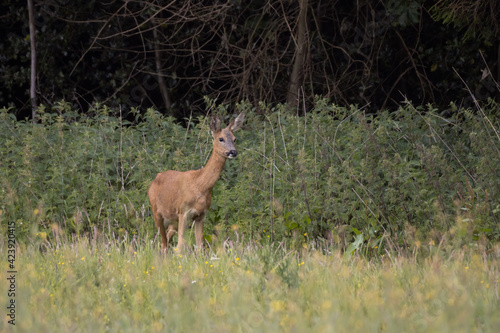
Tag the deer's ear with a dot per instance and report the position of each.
(236, 123)
(214, 124)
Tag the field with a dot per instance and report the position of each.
(128, 287)
(326, 222)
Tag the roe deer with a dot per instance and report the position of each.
(179, 197)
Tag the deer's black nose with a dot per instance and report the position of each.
(231, 153)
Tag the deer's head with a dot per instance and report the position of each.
(224, 138)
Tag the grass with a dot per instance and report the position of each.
(127, 286)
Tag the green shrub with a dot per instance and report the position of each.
(361, 182)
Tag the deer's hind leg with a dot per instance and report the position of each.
(170, 232)
(160, 224)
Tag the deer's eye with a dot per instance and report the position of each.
(221, 140)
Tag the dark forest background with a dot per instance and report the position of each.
(169, 54)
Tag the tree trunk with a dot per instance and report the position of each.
(33, 60)
(301, 48)
(161, 80)
(498, 61)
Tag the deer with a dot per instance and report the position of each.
(180, 197)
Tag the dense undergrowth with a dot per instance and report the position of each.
(416, 178)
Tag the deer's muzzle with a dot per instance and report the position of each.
(232, 153)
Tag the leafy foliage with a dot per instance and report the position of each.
(335, 175)
(477, 17)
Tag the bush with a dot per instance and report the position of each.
(336, 174)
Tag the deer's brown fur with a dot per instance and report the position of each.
(180, 197)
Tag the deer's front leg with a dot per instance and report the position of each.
(198, 232)
(180, 232)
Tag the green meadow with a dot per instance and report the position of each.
(332, 221)
(127, 286)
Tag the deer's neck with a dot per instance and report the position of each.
(211, 172)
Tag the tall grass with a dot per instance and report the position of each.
(126, 286)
